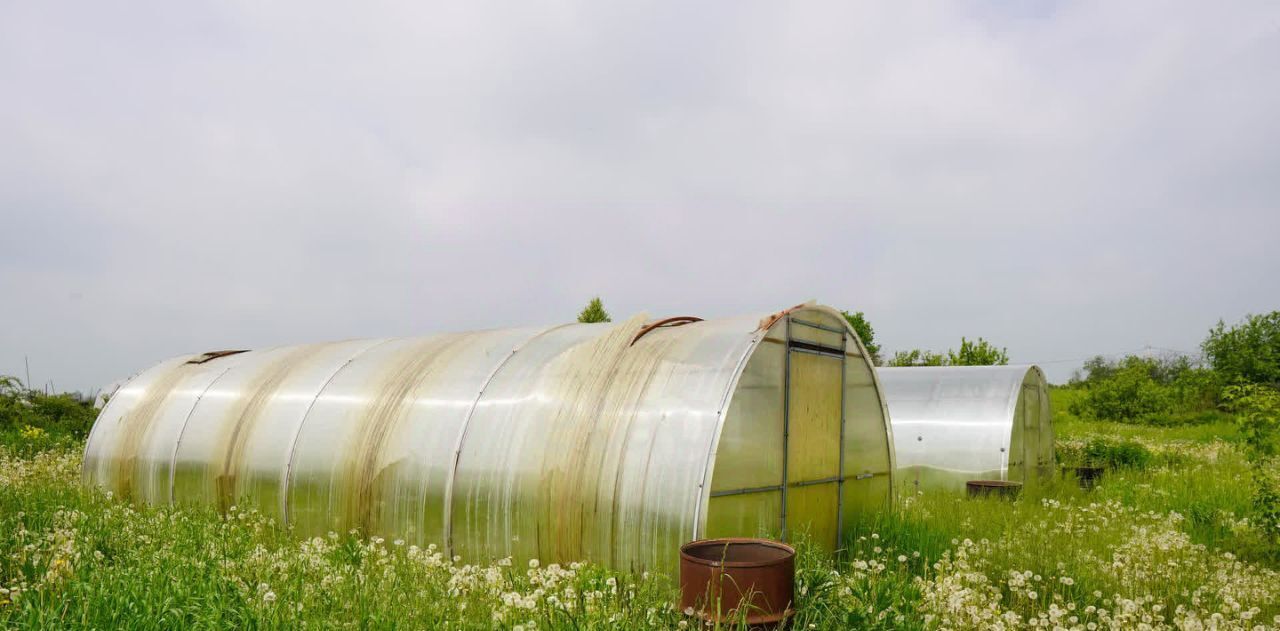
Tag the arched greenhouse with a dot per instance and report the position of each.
(952, 424)
(611, 442)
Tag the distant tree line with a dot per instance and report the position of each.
(1177, 389)
(977, 352)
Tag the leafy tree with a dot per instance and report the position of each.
(1258, 412)
(1127, 392)
(1098, 368)
(865, 333)
(1153, 390)
(594, 312)
(1247, 352)
(979, 353)
(917, 357)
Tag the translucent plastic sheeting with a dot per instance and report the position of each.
(577, 441)
(952, 424)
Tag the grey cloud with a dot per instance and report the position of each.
(1064, 179)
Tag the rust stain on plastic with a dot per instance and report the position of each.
(768, 321)
(241, 417)
(392, 406)
(135, 424)
(599, 392)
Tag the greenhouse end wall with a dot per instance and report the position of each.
(609, 442)
(952, 424)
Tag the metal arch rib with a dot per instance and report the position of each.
(704, 487)
(96, 431)
(297, 434)
(173, 460)
(447, 511)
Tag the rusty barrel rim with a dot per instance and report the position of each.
(788, 552)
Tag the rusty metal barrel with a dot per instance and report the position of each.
(751, 580)
(993, 488)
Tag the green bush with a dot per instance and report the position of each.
(33, 421)
(978, 353)
(1116, 454)
(1247, 352)
(971, 353)
(1147, 390)
(1258, 413)
(916, 357)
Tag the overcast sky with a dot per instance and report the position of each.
(1064, 179)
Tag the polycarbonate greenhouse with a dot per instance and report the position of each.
(952, 424)
(610, 442)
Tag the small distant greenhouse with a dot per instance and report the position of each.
(952, 424)
(610, 442)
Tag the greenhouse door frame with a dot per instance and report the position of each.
(794, 346)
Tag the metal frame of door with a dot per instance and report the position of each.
(793, 345)
(799, 346)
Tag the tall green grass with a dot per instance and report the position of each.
(1165, 543)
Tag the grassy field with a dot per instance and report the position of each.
(1163, 542)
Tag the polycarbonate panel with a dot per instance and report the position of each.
(678, 418)
(502, 492)
(868, 442)
(203, 442)
(957, 423)
(750, 449)
(1030, 405)
(816, 328)
(745, 515)
(235, 447)
(113, 442)
(153, 469)
(593, 447)
(814, 442)
(864, 500)
(559, 443)
(1046, 457)
(1016, 452)
(812, 514)
(867, 449)
(377, 447)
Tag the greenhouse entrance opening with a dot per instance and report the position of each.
(813, 433)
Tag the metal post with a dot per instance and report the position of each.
(786, 424)
(840, 480)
